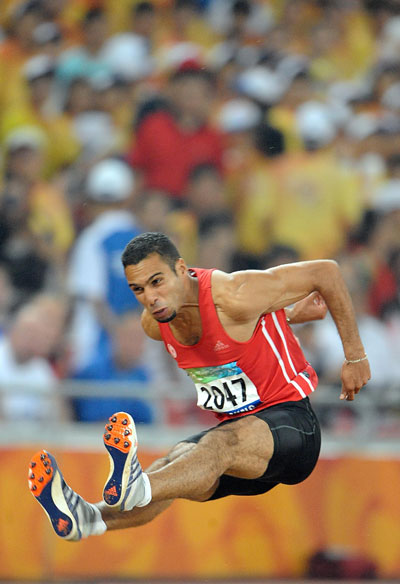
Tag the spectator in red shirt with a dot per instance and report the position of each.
(174, 135)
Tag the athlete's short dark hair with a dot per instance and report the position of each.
(145, 244)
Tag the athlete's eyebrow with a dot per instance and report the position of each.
(133, 285)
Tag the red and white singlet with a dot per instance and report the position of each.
(234, 378)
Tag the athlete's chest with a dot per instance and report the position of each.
(188, 329)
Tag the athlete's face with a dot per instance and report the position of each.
(157, 287)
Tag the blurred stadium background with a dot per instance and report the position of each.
(254, 133)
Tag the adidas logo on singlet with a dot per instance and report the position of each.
(220, 346)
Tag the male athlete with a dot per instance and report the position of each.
(230, 333)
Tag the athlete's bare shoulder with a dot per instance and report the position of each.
(247, 294)
(224, 292)
(150, 326)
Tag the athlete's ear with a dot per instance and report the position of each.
(181, 267)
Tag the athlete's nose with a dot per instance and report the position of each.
(151, 298)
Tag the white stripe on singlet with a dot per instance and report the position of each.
(280, 360)
(280, 331)
(308, 381)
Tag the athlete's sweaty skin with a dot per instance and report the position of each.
(241, 448)
(240, 298)
(244, 448)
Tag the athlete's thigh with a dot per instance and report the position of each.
(247, 443)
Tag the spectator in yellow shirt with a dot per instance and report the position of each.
(49, 216)
(305, 200)
(40, 109)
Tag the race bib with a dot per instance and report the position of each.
(224, 389)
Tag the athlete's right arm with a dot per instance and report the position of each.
(150, 326)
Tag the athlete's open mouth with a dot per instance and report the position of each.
(161, 313)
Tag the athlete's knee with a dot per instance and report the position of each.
(205, 495)
(181, 449)
(178, 450)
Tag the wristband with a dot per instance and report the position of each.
(348, 361)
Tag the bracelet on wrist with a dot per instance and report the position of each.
(348, 361)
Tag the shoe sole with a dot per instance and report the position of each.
(46, 485)
(120, 441)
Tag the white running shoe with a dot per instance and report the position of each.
(126, 486)
(71, 517)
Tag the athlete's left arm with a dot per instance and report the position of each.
(248, 294)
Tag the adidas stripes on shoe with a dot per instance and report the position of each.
(71, 516)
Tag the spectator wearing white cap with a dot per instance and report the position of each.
(239, 115)
(262, 85)
(315, 124)
(129, 54)
(96, 279)
(48, 37)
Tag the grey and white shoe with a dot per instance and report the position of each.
(71, 516)
(126, 486)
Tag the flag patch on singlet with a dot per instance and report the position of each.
(209, 374)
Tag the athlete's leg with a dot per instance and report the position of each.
(191, 471)
(74, 518)
(241, 448)
(115, 519)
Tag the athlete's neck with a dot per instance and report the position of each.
(186, 326)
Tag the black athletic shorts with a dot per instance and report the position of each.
(297, 442)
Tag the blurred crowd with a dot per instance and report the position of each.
(253, 132)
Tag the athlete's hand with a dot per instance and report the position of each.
(354, 377)
(312, 307)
